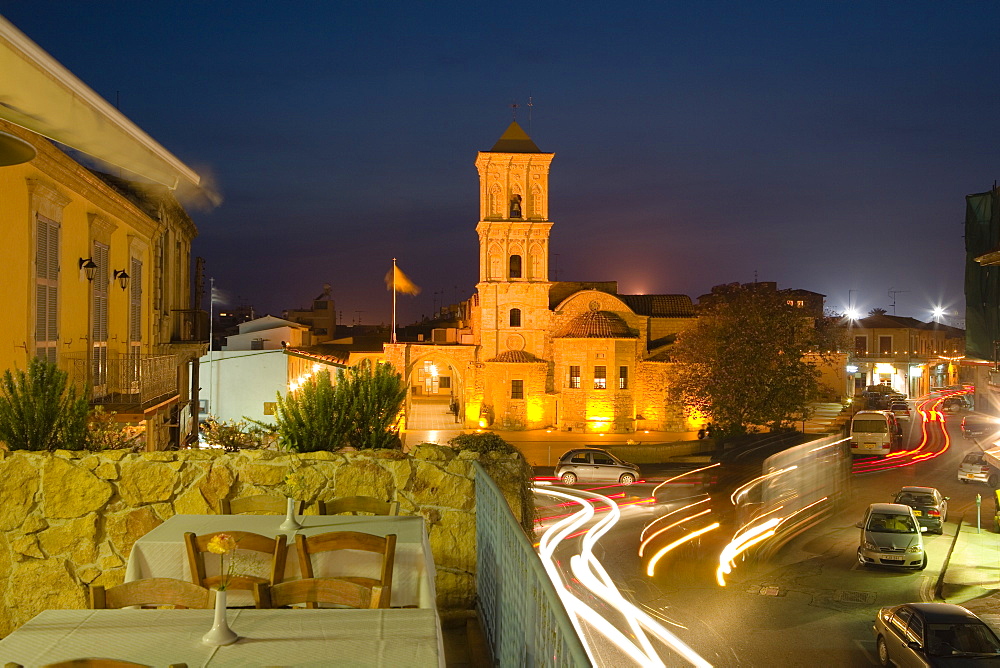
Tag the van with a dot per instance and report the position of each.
(875, 433)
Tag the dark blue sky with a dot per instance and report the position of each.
(823, 147)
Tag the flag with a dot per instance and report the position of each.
(401, 281)
(219, 296)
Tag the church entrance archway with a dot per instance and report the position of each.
(435, 396)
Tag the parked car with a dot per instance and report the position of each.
(901, 410)
(976, 426)
(891, 536)
(974, 467)
(934, 634)
(595, 465)
(928, 505)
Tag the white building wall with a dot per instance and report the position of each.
(237, 384)
(272, 339)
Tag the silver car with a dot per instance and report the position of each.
(594, 465)
(891, 536)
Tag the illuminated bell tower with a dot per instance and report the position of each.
(514, 245)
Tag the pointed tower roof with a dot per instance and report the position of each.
(514, 140)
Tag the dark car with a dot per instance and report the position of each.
(934, 634)
(928, 505)
(978, 426)
(900, 409)
(595, 465)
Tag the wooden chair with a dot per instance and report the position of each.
(312, 591)
(99, 663)
(261, 503)
(350, 540)
(245, 540)
(151, 592)
(359, 504)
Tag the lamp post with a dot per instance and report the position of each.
(90, 268)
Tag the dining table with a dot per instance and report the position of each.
(161, 552)
(297, 637)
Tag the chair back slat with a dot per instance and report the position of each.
(358, 504)
(100, 663)
(197, 546)
(152, 591)
(306, 546)
(260, 503)
(312, 591)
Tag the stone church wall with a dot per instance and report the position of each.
(69, 519)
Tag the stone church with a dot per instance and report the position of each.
(532, 353)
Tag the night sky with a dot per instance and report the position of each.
(823, 147)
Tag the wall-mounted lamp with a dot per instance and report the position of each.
(90, 267)
(122, 278)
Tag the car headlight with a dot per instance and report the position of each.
(915, 549)
(871, 547)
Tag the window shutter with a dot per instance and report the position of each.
(135, 302)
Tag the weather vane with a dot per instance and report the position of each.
(530, 105)
(513, 109)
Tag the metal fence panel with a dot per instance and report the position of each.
(523, 617)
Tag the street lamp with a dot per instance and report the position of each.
(122, 278)
(937, 313)
(88, 265)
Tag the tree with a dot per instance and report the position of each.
(743, 362)
(41, 410)
(360, 410)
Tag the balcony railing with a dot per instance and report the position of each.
(189, 326)
(523, 618)
(125, 384)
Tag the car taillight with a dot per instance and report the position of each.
(984, 469)
(934, 513)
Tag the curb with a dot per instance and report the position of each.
(947, 560)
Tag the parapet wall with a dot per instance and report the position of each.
(69, 519)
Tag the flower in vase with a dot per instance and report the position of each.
(295, 485)
(223, 544)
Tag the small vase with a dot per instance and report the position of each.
(220, 634)
(290, 523)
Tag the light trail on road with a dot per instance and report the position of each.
(591, 575)
(934, 439)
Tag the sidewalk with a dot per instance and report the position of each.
(971, 577)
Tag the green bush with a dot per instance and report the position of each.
(485, 441)
(361, 410)
(234, 435)
(40, 410)
(104, 432)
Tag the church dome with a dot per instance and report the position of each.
(515, 356)
(597, 325)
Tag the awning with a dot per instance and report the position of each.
(39, 94)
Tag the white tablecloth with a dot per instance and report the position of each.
(387, 637)
(160, 553)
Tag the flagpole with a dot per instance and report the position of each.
(211, 326)
(393, 300)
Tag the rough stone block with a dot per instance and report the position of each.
(17, 493)
(145, 482)
(71, 491)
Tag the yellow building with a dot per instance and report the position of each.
(97, 281)
(575, 356)
(96, 264)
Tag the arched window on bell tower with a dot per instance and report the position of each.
(515, 317)
(515, 267)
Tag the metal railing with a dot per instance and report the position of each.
(523, 618)
(127, 382)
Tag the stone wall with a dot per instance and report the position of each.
(69, 519)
